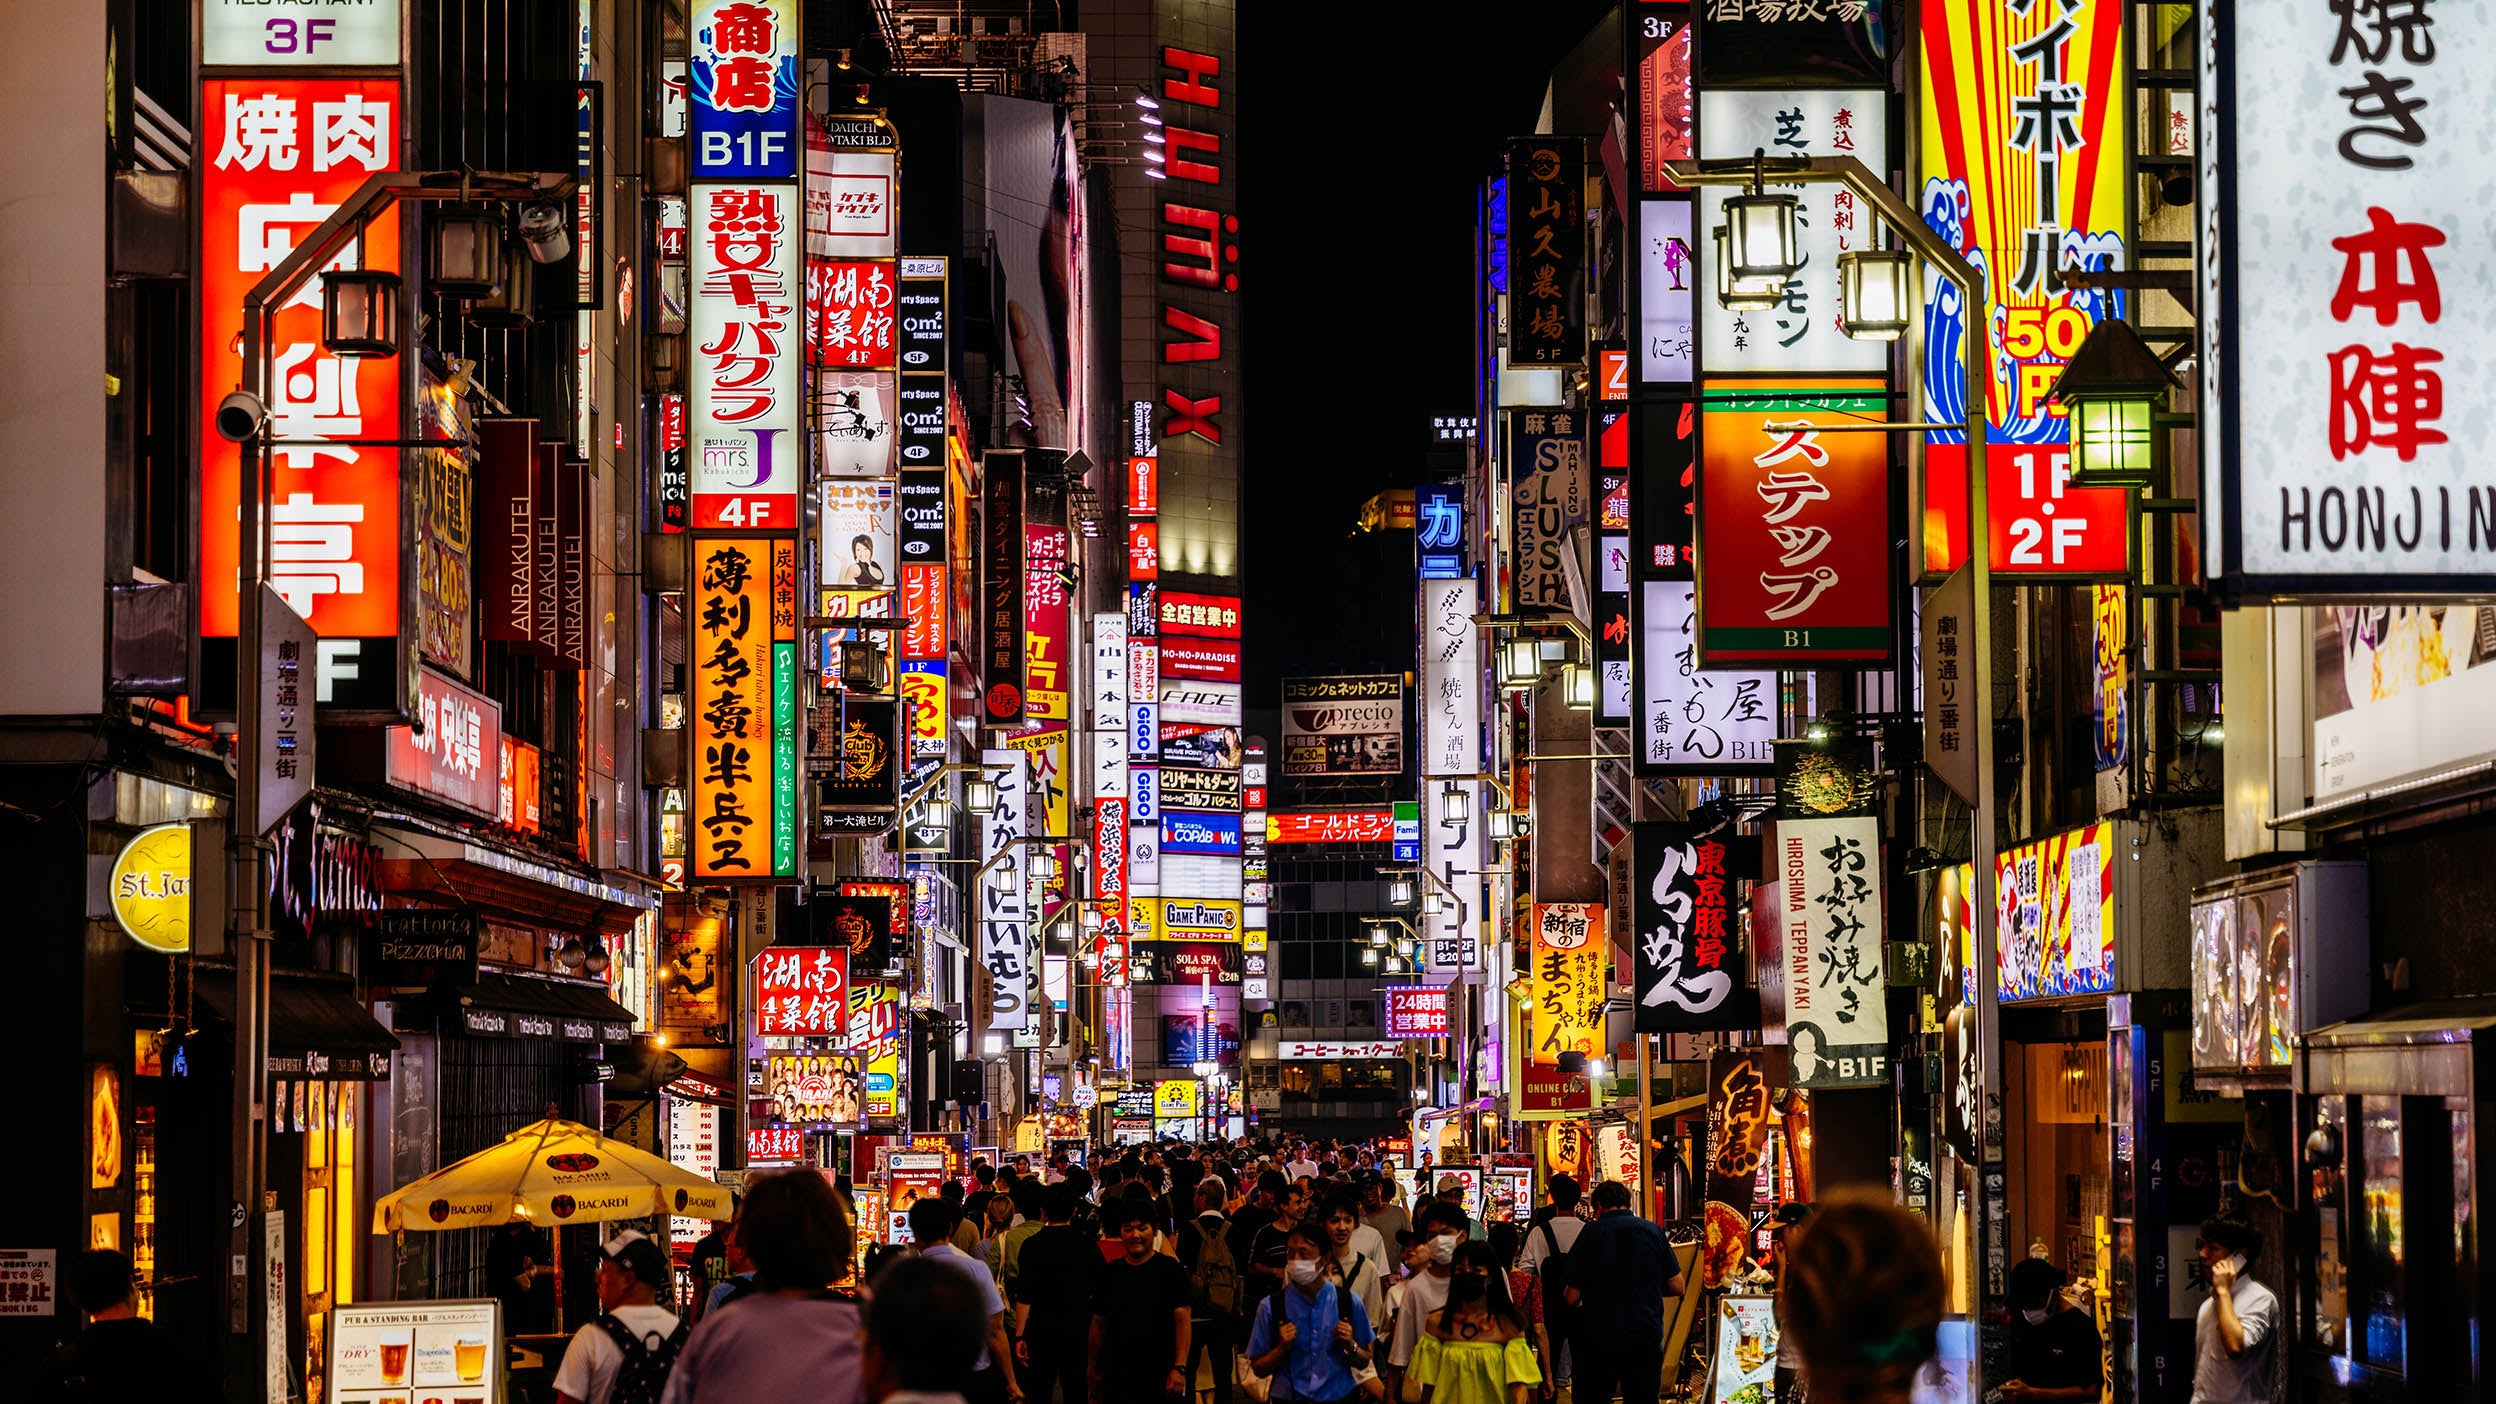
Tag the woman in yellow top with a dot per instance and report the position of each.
(1476, 1349)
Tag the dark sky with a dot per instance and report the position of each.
(1364, 129)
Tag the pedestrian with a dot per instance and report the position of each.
(966, 1230)
(1506, 1241)
(1265, 1188)
(624, 1356)
(1546, 1257)
(1442, 1227)
(1030, 1198)
(2055, 1354)
(121, 1357)
(999, 1220)
(796, 1335)
(992, 1374)
(1862, 1299)
(2236, 1332)
(1140, 1322)
(740, 1279)
(1214, 1286)
(520, 1274)
(1271, 1250)
(1451, 1190)
(1621, 1269)
(1476, 1349)
(710, 1260)
(1051, 1281)
(1313, 1337)
(984, 1188)
(922, 1331)
(1300, 1166)
(1378, 1208)
(1354, 1265)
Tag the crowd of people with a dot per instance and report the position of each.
(1265, 1273)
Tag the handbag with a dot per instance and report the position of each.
(1246, 1380)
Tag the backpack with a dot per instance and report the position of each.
(1554, 1276)
(1213, 1278)
(642, 1378)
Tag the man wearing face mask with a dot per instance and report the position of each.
(2236, 1332)
(2055, 1354)
(1311, 1335)
(1442, 1226)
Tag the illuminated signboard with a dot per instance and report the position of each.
(1332, 826)
(744, 89)
(1200, 616)
(743, 708)
(1415, 1011)
(743, 436)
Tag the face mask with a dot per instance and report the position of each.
(2033, 1318)
(1303, 1271)
(1443, 1249)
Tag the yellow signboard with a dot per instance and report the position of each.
(1189, 919)
(152, 888)
(1174, 1100)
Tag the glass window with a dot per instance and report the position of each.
(2384, 1344)
(2331, 1263)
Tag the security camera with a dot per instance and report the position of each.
(240, 415)
(543, 230)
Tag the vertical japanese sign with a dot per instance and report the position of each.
(1667, 268)
(744, 90)
(851, 313)
(1001, 583)
(1547, 244)
(1801, 332)
(1948, 679)
(1451, 750)
(1829, 944)
(743, 709)
(1663, 99)
(1614, 639)
(1568, 981)
(2023, 171)
(1692, 722)
(1439, 531)
(1004, 901)
(1550, 501)
(1196, 280)
(801, 992)
(278, 155)
(1047, 647)
(1793, 524)
(746, 374)
(1686, 951)
(2345, 267)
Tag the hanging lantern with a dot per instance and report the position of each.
(1761, 239)
(513, 302)
(1742, 294)
(2112, 391)
(1578, 687)
(1876, 292)
(466, 257)
(1520, 663)
(360, 313)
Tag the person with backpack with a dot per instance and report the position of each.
(1213, 1285)
(1313, 1338)
(1355, 1266)
(1547, 1243)
(796, 1337)
(626, 1354)
(1621, 1272)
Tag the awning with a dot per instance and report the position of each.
(318, 1030)
(2424, 1050)
(458, 872)
(517, 1006)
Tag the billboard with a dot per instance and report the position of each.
(2055, 910)
(1686, 943)
(1004, 899)
(2400, 689)
(1800, 333)
(856, 529)
(743, 88)
(1566, 981)
(1793, 524)
(1547, 240)
(742, 429)
(743, 708)
(1002, 579)
(1343, 725)
(2022, 170)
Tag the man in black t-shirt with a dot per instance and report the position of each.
(1270, 1250)
(1052, 1288)
(2056, 1356)
(1140, 1328)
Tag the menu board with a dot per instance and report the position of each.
(1746, 1351)
(416, 1353)
(1512, 1195)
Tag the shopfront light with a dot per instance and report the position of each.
(1399, 892)
(1503, 823)
(360, 313)
(1432, 903)
(1455, 804)
(979, 796)
(1742, 294)
(1760, 237)
(467, 251)
(1578, 687)
(2112, 391)
(1876, 292)
(1520, 663)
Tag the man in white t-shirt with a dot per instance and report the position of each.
(1300, 1167)
(1564, 1226)
(632, 1271)
(2236, 1332)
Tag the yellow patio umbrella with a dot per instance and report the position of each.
(553, 1173)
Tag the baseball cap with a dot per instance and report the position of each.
(1450, 1184)
(635, 1252)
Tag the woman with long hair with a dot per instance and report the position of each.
(798, 1335)
(1861, 1299)
(1507, 1242)
(1477, 1349)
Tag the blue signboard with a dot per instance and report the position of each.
(1439, 531)
(1213, 835)
(743, 85)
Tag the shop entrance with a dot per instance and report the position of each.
(2056, 1159)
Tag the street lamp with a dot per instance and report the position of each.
(1399, 892)
(467, 251)
(1876, 292)
(1760, 238)
(1455, 805)
(360, 313)
(2113, 388)
(1577, 683)
(1742, 294)
(1520, 662)
(979, 796)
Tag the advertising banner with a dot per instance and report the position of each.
(852, 203)
(1552, 498)
(1780, 42)
(1667, 268)
(2400, 689)
(2022, 170)
(1199, 616)
(1003, 900)
(1613, 640)
(1209, 791)
(816, 1089)
(1568, 984)
(1547, 243)
(743, 447)
(1693, 722)
(1200, 703)
(456, 756)
(1801, 333)
(1662, 90)
(1332, 826)
(856, 530)
(1211, 659)
(1343, 725)
(1836, 1016)
(1184, 962)
(1215, 835)
(1793, 525)
(851, 313)
(1001, 582)
(1686, 945)
(742, 710)
(382, 1350)
(1048, 648)
(1664, 504)
(801, 992)
(1414, 1011)
(2055, 907)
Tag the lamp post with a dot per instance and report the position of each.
(1911, 231)
(349, 310)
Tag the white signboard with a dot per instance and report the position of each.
(1003, 896)
(692, 1142)
(856, 530)
(1704, 722)
(2347, 334)
(29, 1281)
(851, 211)
(855, 415)
(1109, 764)
(1307, 1050)
(1836, 1015)
(301, 34)
(404, 1350)
(1666, 273)
(741, 433)
(1109, 672)
(1800, 333)
(1201, 703)
(1451, 745)
(1143, 859)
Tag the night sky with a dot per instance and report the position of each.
(1363, 131)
